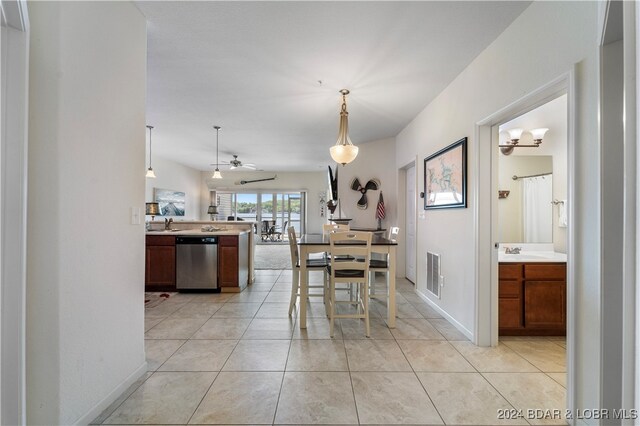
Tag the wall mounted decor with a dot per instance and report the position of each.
(333, 184)
(445, 177)
(373, 184)
(171, 202)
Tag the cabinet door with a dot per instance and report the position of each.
(510, 304)
(545, 303)
(228, 261)
(160, 268)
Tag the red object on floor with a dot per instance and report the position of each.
(165, 295)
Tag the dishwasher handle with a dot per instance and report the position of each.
(196, 240)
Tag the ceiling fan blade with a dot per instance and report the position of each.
(355, 184)
(373, 184)
(249, 166)
(362, 202)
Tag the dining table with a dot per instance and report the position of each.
(319, 243)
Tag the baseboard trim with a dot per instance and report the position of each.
(462, 329)
(97, 409)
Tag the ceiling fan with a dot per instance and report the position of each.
(235, 164)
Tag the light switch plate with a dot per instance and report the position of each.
(441, 280)
(135, 215)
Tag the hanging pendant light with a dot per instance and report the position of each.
(216, 173)
(150, 173)
(344, 151)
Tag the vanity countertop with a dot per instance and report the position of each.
(532, 256)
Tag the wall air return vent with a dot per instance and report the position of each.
(433, 274)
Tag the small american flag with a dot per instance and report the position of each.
(380, 208)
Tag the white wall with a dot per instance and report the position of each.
(314, 183)
(178, 177)
(85, 260)
(375, 160)
(547, 40)
(13, 209)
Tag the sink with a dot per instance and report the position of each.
(524, 254)
(171, 230)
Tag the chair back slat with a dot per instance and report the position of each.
(350, 243)
(393, 233)
(334, 227)
(293, 246)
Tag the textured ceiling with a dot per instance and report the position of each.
(254, 69)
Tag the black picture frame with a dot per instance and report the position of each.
(445, 177)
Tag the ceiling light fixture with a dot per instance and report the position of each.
(344, 151)
(150, 173)
(216, 173)
(514, 138)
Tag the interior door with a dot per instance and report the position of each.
(410, 220)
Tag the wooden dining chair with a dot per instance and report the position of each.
(334, 227)
(352, 272)
(381, 265)
(312, 264)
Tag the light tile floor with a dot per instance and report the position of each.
(240, 359)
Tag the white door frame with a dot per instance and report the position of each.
(485, 211)
(403, 175)
(13, 209)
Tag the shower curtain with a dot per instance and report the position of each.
(537, 209)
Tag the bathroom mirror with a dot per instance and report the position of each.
(526, 214)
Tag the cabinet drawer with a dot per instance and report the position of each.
(510, 271)
(228, 240)
(160, 240)
(510, 289)
(547, 271)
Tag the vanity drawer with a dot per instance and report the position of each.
(510, 289)
(510, 271)
(545, 271)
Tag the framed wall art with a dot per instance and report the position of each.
(445, 177)
(171, 202)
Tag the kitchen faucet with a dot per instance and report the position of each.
(512, 250)
(167, 224)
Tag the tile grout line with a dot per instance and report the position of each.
(418, 378)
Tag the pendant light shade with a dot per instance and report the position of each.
(344, 151)
(150, 173)
(216, 172)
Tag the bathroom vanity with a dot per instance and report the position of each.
(532, 295)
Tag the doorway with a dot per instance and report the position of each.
(487, 221)
(410, 223)
(531, 187)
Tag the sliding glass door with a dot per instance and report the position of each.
(274, 211)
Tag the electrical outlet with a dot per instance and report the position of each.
(441, 280)
(135, 215)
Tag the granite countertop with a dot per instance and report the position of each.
(198, 232)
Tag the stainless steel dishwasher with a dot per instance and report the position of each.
(196, 263)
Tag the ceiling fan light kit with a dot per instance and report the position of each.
(344, 151)
(235, 163)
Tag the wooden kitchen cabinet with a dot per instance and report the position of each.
(233, 266)
(532, 299)
(160, 263)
